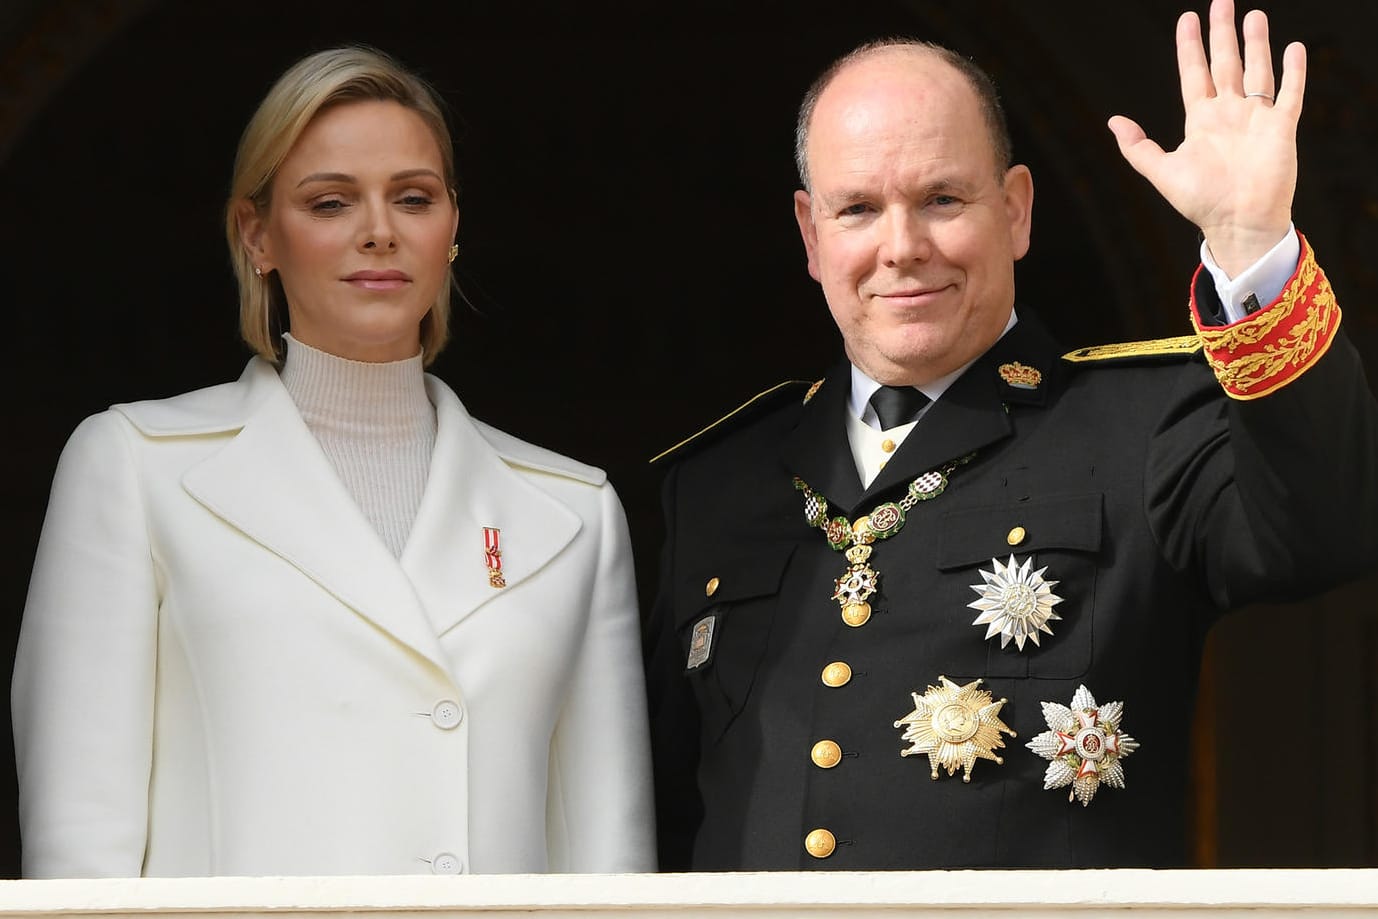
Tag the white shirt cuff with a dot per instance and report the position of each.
(1263, 280)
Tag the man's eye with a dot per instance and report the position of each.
(944, 200)
(854, 210)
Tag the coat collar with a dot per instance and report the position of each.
(472, 486)
(972, 414)
(273, 483)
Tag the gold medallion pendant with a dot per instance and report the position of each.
(1084, 745)
(955, 725)
(855, 539)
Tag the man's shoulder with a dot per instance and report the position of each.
(1176, 350)
(778, 404)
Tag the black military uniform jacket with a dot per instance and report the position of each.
(1152, 500)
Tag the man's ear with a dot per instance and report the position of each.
(252, 233)
(803, 215)
(1019, 195)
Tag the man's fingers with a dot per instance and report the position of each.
(1135, 146)
(1293, 86)
(1227, 71)
(1192, 69)
(1258, 56)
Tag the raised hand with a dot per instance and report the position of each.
(1235, 171)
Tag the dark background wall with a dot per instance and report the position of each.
(626, 234)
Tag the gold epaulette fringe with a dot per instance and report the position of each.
(1157, 347)
(813, 388)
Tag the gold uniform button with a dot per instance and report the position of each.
(826, 754)
(711, 587)
(820, 843)
(837, 674)
(887, 445)
(1015, 536)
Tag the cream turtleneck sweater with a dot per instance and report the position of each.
(376, 427)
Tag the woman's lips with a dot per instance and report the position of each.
(378, 280)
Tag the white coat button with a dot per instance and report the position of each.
(447, 715)
(445, 863)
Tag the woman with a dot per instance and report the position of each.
(319, 620)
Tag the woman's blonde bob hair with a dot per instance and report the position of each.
(324, 79)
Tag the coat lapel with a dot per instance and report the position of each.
(971, 415)
(817, 450)
(974, 412)
(471, 487)
(273, 483)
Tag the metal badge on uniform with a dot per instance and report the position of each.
(1083, 745)
(1015, 601)
(701, 642)
(1020, 376)
(955, 725)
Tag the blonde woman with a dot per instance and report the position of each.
(320, 620)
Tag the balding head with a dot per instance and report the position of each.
(899, 48)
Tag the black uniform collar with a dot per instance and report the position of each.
(972, 414)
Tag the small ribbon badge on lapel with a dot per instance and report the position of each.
(492, 556)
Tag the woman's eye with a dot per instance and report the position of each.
(327, 206)
(417, 201)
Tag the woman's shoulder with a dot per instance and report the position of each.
(518, 452)
(222, 407)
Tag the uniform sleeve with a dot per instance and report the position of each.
(675, 723)
(1272, 492)
(84, 673)
(601, 752)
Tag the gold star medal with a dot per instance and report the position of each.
(1084, 745)
(955, 725)
(1015, 602)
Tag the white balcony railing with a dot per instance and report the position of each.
(1256, 893)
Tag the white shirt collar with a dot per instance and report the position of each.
(863, 387)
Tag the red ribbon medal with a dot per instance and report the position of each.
(492, 557)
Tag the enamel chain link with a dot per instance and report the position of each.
(856, 539)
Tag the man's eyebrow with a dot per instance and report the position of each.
(847, 197)
(841, 199)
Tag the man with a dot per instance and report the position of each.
(946, 608)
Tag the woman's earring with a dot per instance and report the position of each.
(258, 271)
(454, 252)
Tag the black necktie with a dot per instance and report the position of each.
(897, 405)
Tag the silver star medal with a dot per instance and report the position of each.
(1084, 745)
(1015, 602)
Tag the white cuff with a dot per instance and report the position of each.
(1263, 280)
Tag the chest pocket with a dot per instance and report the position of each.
(1060, 540)
(727, 613)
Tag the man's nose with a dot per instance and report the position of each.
(905, 237)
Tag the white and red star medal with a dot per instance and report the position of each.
(1083, 745)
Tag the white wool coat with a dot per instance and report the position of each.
(222, 670)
